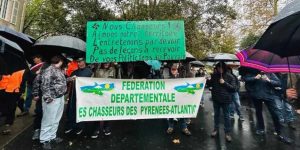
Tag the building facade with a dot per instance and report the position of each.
(12, 13)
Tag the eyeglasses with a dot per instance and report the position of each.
(173, 69)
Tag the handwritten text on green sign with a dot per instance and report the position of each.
(126, 41)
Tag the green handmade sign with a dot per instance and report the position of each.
(127, 41)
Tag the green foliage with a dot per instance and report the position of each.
(206, 22)
(81, 11)
(45, 18)
(249, 41)
(257, 14)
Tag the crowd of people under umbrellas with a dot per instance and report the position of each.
(48, 83)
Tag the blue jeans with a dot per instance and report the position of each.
(217, 110)
(182, 122)
(285, 112)
(258, 103)
(28, 99)
(235, 105)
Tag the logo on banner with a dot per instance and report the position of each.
(189, 88)
(98, 88)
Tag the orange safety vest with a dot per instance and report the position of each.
(4, 81)
(14, 82)
(72, 66)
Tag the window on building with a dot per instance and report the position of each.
(15, 12)
(3, 8)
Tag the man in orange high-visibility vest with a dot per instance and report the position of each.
(14, 88)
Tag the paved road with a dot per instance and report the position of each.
(150, 135)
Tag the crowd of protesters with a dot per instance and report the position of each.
(49, 83)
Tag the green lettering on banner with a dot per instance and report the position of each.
(143, 98)
(131, 110)
(146, 98)
(105, 111)
(165, 98)
(168, 110)
(82, 112)
(174, 109)
(150, 85)
(146, 86)
(138, 85)
(172, 97)
(131, 97)
(157, 97)
(122, 97)
(128, 85)
(123, 85)
(140, 97)
(132, 86)
(142, 85)
(113, 98)
(120, 41)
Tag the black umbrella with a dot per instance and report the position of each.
(197, 63)
(20, 38)
(222, 57)
(283, 36)
(31, 38)
(189, 57)
(55, 45)
(226, 57)
(23, 40)
(11, 57)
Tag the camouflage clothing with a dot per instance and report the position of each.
(53, 83)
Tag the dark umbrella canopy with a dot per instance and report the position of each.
(23, 40)
(197, 63)
(189, 57)
(288, 10)
(10, 46)
(226, 57)
(31, 38)
(283, 35)
(11, 57)
(18, 37)
(54, 45)
(268, 62)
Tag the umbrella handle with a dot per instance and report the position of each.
(222, 70)
(290, 75)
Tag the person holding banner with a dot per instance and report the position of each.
(175, 74)
(105, 70)
(82, 71)
(223, 84)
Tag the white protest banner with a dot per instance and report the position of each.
(125, 99)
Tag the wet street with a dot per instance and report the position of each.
(151, 135)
